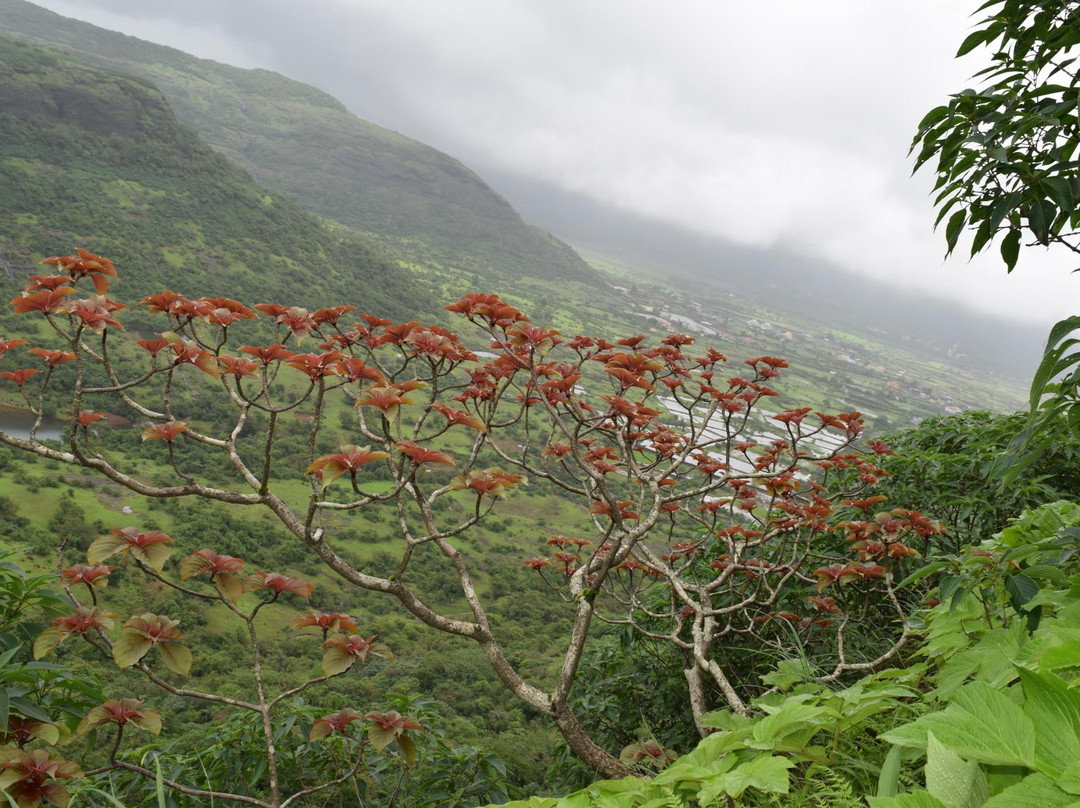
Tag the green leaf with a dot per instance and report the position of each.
(229, 585)
(380, 736)
(27, 708)
(1055, 709)
(954, 228)
(788, 673)
(949, 585)
(4, 708)
(1065, 654)
(954, 781)
(129, 648)
(889, 778)
(153, 555)
(408, 749)
(922, 572)
(1020, 590)
(1061, 191)
(1010, 248)
(176, 657)
(320, 730)
(8, 654)
(972, 41)
(766, 773)
(1070, 778)
(336, 660)
(49, 733)
(47, 640)
(1047, 367)
(1038, 221)
(980, 724)
(104, 547)
(1035, 791)
(793, 719)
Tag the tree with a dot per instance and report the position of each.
(943, 466)
(1006, 153)
(708, 519)
(1007, 162)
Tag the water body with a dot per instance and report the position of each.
(18, 423)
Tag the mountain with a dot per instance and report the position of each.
(96, 159)
(303, 143)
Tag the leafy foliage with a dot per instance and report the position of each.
(946, 467)
(1009, 730)
(700, 527)
(1006, 153)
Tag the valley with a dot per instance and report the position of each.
(224, 183)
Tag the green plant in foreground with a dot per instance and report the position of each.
(1006, 638)
(799, 742)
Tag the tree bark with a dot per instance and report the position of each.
(584, 748)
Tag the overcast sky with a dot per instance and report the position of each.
(784, 122)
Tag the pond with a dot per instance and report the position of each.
(17, 423)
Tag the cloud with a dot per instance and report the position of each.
(785, 123)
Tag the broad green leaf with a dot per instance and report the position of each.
(954, 781)
(408, 749)
(980, 724)
(129, 648)
(176, 657)
(766, 773)
(49, 733)
(1020, 590)
(104, 547)
(336, 660)
(4, 708)
(229, 585)
(1070, 778)
(794, 723)
(1055, 709)
(788, 673)
(380, 736)
(711, 749)
(679, 772)
(153, 555)
(1065, 652)
(47, 641)
(1035, 791)
(150, 721)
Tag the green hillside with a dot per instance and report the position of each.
(302, 142)
(92, 158)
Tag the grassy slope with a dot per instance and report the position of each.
(95, 159)
(302, 142)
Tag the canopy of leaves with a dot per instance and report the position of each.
(1007, 153)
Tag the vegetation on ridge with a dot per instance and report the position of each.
(303, 143)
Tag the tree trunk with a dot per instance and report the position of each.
(583, 747)
(699, 703)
